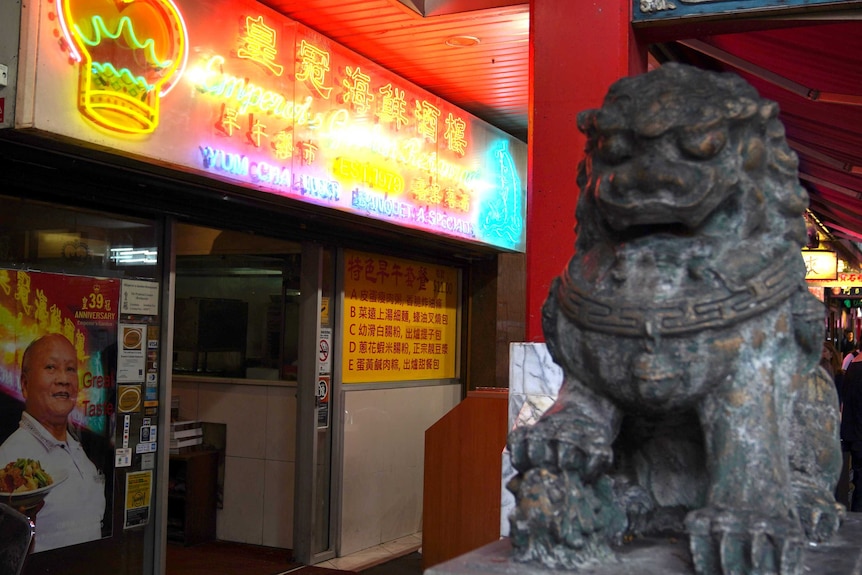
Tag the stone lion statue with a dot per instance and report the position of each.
(692, 400)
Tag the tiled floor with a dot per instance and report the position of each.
(367, 558)
(227, 558)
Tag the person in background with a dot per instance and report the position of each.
(848, 357)
(849, 342)
(851, 427)
(73, 510)
(830, 360)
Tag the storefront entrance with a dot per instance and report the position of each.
(240, 368)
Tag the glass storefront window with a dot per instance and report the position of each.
(59, 239)
(237, 305)
(65, 272)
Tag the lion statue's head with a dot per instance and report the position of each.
(690, 216)
(688, 151)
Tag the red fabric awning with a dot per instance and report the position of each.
(814, 73)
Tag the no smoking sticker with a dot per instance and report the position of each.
(324, 350)
(324, 357)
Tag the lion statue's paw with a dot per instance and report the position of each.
(562, 522)
(819, 514)
(744, 543)
(562, 441)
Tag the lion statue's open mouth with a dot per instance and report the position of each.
(692, 400)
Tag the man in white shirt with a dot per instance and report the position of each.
(73, 510)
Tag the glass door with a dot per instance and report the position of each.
(316, 407)
(254, 323)
(235, 362)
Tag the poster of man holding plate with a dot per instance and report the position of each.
(58, 355)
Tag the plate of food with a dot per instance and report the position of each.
(24, 484)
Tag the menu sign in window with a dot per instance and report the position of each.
(400, 319)
(237, 92)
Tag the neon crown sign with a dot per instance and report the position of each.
(130, 53)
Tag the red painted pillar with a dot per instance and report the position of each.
(578, 48)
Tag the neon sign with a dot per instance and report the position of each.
(356, 90)
(314, 65)
(259, 44)
(372, 176)
(265, 102)
(501, 217)
(211, 80)
(129, 54)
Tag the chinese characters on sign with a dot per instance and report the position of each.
(820, 264)
(400, 319)
(844, 279)
(239, 92)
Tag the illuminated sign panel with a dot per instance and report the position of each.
(239, 92)
(648, 11)
(400, 319)
(820, 264)
(844, 279)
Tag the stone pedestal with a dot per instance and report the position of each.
(842, 555)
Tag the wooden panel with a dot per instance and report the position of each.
(194, 491)
(497, 313)
(462, 494)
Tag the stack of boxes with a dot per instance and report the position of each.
(185, 436)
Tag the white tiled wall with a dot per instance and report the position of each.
(260, 456)
(278, 512)
(384, 455)
(384, 447)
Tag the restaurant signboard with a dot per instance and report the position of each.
(237, 92)
(842, 279)
(820, 264)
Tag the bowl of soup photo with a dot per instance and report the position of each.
(132, 338)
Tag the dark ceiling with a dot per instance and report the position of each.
(475, 54)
